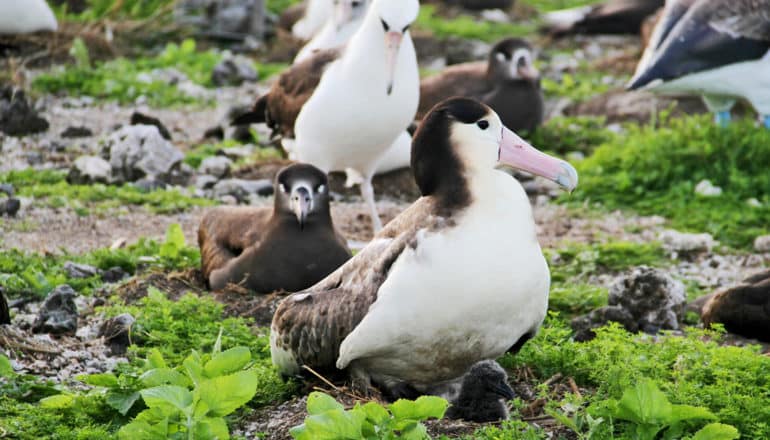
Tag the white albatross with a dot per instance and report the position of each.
(457, 278)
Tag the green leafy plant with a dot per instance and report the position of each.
(328, 419)
(648, 408)
(193, 403)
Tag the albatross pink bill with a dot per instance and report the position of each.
(517, 153)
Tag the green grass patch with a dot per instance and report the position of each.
(565, 134)
(577, 86)
(124, 80)
(732, 382)
(553, 5)
(278, 6)
(654, 171)
(125, 9)
(26, 273)
(50, 188)
(466, 26)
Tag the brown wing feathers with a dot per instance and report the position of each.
(225, 231)
(280, 107)
(312, 324)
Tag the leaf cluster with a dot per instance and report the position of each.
(328, 419)
(193, 403)
(466, 26)
(731, 382)
(651, 413)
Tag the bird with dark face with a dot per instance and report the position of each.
(289, 247)
(456, 278)
(483, 393)
(508, 82)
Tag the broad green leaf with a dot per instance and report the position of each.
(644, 403)
(155, 358)
(423, 408)
(335, 424)
(212, 428)
(375, 413)
(418, 431)
(58, 401)
(320, 402)
(163, 376)
(173, 395)
(107, 380)
(226, 362)
(200, 411)
(717, 431)
(194, 368)
(141, 430)
(225, 394)
(687, 412)
(6, 369)
(122, 401)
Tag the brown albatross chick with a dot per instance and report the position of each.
(743, 309)
(289, 247)
(508, 82)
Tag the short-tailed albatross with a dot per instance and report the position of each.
(457, 278)
(345, 109)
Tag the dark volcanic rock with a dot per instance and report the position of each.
(217, 133)
(10, 206)
(17, 117)
(76, 132)
(77, 270)
(234, 71)
(5, 313)
(58, 314)
(114, 274)
(646, 299)
(142, 119)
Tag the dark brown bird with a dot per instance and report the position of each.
(289, 247)
(483, 393)
(743, 309)
(508, 82)
(610, 17)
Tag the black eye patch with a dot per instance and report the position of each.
(384, 25)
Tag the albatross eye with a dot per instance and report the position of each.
(483, 124)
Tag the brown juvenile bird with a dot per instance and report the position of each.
(289, 247)
(508, 82)
(743, 309)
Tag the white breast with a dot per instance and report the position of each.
(350, 121)
(25, 16)
(465, 294)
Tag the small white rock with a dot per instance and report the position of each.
(683, 242)
(762, 243)
(495, 15)
(706, 189)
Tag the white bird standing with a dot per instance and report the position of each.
(719, 49)
(26, 16)
(345, 20)
(457, 278)
(345, 109)
(316, 14)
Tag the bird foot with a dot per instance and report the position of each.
(361, 384)
(722, 118)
